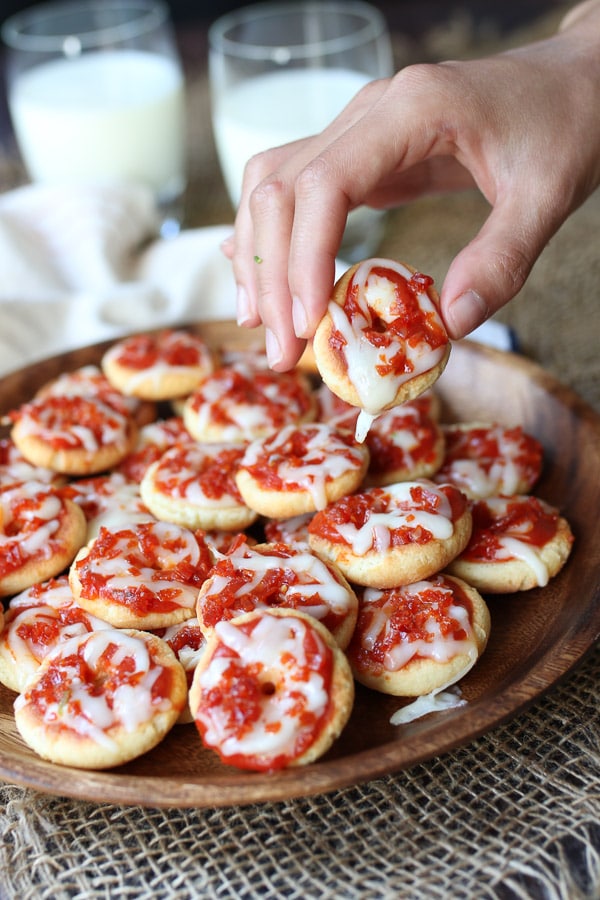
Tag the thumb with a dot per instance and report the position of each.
(492, 268)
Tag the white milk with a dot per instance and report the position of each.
(103, 115)
(276, 108)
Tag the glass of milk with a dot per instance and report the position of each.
(283, 71)
(96, 94)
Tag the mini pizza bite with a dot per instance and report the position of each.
(275, 575)
(146, 576)
(195, 485)
(517, 543)
(37, 620)
(102, 699)
(404, 444)
(382, 340)
(73, 435)
(383, 537)
(272, 690)
(160, 366)
(299, 469)
(418, 638)
(486, 460)
(40, 533)
(241, 402)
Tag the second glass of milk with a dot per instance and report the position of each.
(96, 94)
(283, 71)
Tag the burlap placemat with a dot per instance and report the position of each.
(516, 814)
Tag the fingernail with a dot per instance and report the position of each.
(226, 246)
(299, 318)
(242, 306)
(272, 347)
(466, 313)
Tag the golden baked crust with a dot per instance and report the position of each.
(268, 681)
(333, 363)
(369, 554)
(194, 486)
(73, 435)
(36, 547)
(502, 559)
(386, 662)
(162, 366)
(128, 713)
(274, 575)
(144, 576)
(299, 469)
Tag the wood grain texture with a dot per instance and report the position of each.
(536, 637)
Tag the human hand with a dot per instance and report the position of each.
(521, 126)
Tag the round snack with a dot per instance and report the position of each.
(418, 638)
(40, 533)
(488, 460)
(274, 575)
(102, 699)
(241, 402)
(383, 537)
(36, 621)
(272, 690)
(73, 435)
(158, 366)
(382, 340)
(146, 576)
(517, 543)
(109, 500)
(195, 486)
(299, 469)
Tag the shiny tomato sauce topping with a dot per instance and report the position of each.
(61, 418)
(23, 522)
(525, 519)
(144, 351)
(243, 690)
(46, 629)
(408, 323)
(387, 455)
(408, 618)
(296, 454)
(141, 553)
(214, 474)
(55, 685)
(493, 443)
(281, 395)
(356, 509)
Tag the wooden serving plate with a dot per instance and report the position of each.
(536, 637)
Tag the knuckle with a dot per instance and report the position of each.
(268, 195)
(512, 266)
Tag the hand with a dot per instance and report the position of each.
(522, 126)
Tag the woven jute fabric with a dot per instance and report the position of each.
(513, 815)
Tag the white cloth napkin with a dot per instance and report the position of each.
(79, 266)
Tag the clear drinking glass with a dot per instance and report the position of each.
(96, 93)
(282, 71)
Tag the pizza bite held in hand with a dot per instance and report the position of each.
(382, 340)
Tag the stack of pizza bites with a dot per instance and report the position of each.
(243, 556)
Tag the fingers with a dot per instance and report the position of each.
(493, 267)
